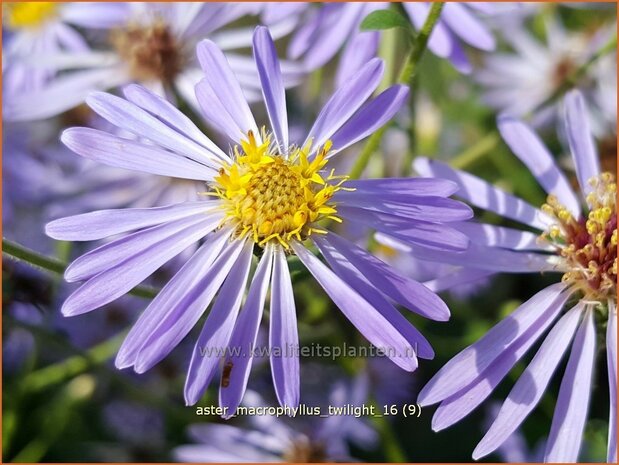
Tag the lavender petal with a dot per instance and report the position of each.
(120, 279)
(185, 313)
(106, 223)
(113, 253)
(568, 422)
(272, 85)
(467, 27)
(482, 194)
(533, 153)
(283, 333)
(128, 154)
(345, 102)
(225, 87)
(580, 139)
(370, 117)
(470, 363)
(244, 335)
(167, 112)
(531, 385)
(183, 282)
(355, 279)
(361, 314)
(403, 290)
(128, 116)
(217, 328)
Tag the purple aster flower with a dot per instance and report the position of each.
(149, 43)
(517, 83)
(268, 195)
(269, 438)
(583, 247)
(35, 28)
(458, 21)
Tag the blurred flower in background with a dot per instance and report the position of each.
(331, 28)
(311, 438)
(459, 22)
(150, 43)
(518, 83)
(35, 28)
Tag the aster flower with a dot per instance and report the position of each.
(583, 247)
(35, 28)
(458, 22)
(519, 82)
(267, 195)
(268, 438)
(149, 43)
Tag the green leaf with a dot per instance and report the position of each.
(384, 19)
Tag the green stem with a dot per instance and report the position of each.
(392, 448)
(72, 366)
(407, 73)
(23, 254)
(409, 156)
(477, 151)
(420, 44)
(35, 259)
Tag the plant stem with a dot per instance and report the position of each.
(409, 156)
(477, 151)
(407, 73)
(392, 448)
(35, 259)
(420, 44)
(72, 366)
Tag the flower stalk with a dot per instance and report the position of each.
(36, 260)
(406, 76)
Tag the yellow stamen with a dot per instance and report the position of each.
(589, 245)
(277, 199)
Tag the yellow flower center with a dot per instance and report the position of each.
(28, 14)
(588, 245)
(151, 52)
(273, 198)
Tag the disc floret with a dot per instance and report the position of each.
(151, 51)
(588, 245)
(277, 198)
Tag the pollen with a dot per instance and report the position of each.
(152, 52)
(28, 14)
(276, 198)
(588, 245)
